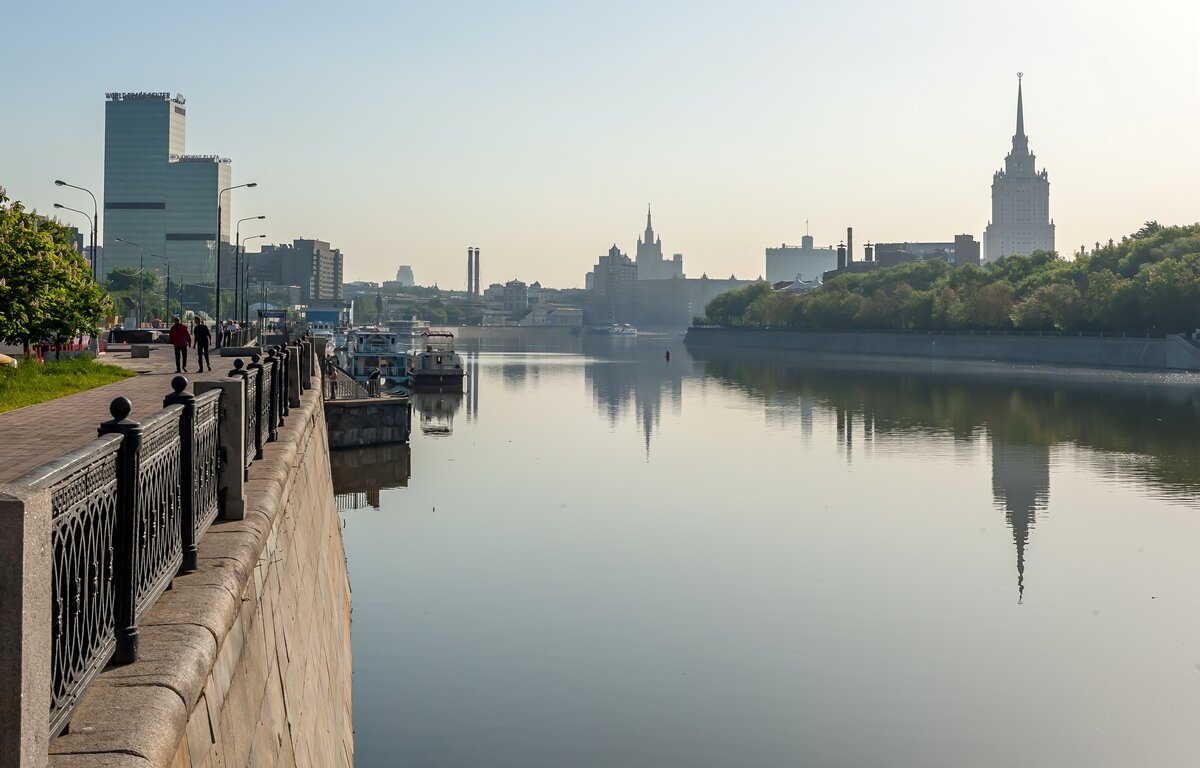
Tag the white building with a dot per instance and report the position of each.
(787, 262)
(1021, 222)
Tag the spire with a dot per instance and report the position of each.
(1020, 140)
(649, 229)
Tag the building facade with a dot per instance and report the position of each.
(404, 276)
(155, 195)
(611, 295)
(787, 262)
(1021, 222)
(312, 265)
(649, 257)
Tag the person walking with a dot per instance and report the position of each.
(180, 339)
(201, 340)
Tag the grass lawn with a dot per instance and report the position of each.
(31, 382)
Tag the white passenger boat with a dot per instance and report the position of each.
(373, 348)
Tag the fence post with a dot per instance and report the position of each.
(293, 376)
(285, 398)
(187, 469)
(231, 482)
(128, 493)
(26, 576)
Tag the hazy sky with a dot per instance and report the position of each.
(404, 132)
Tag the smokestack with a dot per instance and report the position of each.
(870, 252)
(849, 244)
(478, 289)
(470, 272)
(841, 257)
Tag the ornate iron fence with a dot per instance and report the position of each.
(83, 497)
(158, 519)
(252, 409)
(128, 511)
(265, 432)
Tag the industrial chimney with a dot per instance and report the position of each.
(478, 289)
(470, 271)
(849, 244)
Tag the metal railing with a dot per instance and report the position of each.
(127, 513)
(84, 507)
(341, 386)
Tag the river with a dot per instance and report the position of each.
(599, 557)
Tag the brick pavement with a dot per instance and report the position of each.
(32, 436)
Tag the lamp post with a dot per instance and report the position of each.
(167, 290)
(242, 251)
(91, 230)
(217, 285)
(141, 275)
(95, 220)
(237, 268)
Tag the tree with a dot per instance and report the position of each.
(46, 287)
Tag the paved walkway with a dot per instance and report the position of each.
(32, 436)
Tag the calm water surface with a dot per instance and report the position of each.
(600, 558)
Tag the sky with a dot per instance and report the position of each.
(404, 132)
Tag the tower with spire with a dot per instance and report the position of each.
(1021, 222)
(649, 257)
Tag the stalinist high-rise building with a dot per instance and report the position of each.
(1021, 222)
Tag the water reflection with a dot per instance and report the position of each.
(436, 411)
(1144, 431)
(359, 474)
(1021, 487)
(623, 374)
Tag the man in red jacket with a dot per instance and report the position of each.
(180, 339)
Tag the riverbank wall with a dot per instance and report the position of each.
(1169, 353)
(247, 660)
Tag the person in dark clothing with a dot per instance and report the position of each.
(201, 339)
(180, 339)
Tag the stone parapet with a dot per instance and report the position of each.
(247, 660)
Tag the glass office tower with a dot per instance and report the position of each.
(155, 194)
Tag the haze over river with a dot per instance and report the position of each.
(602, 558)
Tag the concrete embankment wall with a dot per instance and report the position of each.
(1169, 353)
(373, 421)
(245, 662)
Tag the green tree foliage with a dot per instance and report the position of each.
(46, 287)
(1149, 282)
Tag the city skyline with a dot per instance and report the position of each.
(541, 134)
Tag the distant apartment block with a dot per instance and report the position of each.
(404, 276)
(313, 265)
(611, 288)
(156, 195)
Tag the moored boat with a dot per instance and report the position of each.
(435, 364)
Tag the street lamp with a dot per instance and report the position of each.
(217, 286)
(95, 220)
(167, 290)
(91, 230)
(141, 275)
(242, 250)
(237, 269)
